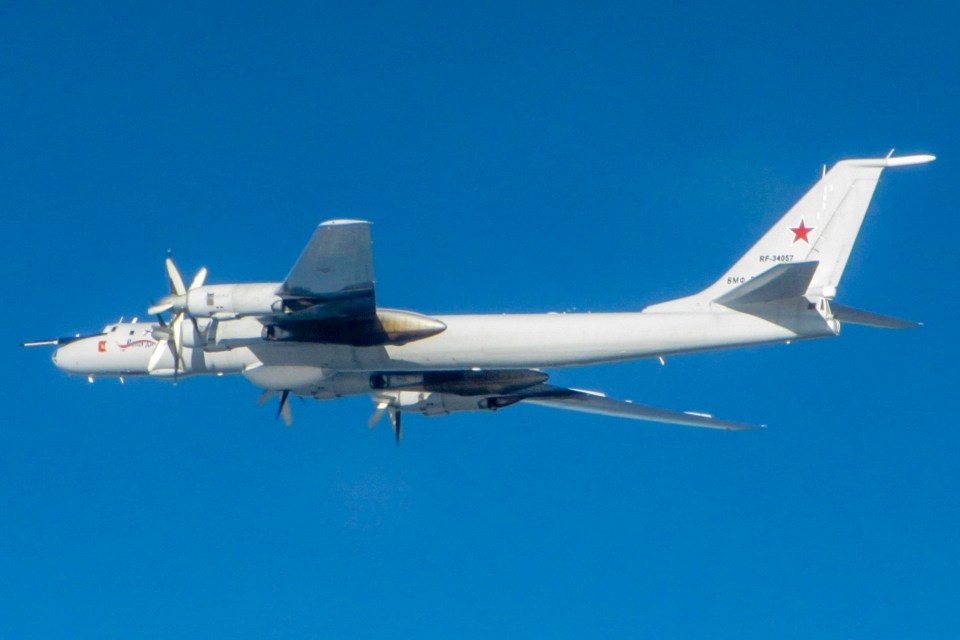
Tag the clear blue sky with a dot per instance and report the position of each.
(513, 158)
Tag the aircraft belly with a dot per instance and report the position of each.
(328, 356)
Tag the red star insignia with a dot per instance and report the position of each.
(800, 233)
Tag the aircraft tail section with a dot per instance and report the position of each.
(810, 243)
(781, 282)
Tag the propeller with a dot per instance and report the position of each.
(170, 337)
(177, 298)
(284, 409)
(163, 335)
(385, 405)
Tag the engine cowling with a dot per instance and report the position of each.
(463, 383)
(230, 300)
(211, 334)
(440, 404)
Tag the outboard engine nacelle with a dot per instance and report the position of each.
(441, 404)
(464, 383)
(231, 300)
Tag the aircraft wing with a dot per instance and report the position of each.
(330, 284)
(594, 402)
(336, 264)
(328, 295)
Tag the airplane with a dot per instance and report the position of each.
(319, 333)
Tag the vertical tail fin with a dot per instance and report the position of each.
(821, 228)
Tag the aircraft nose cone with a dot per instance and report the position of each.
(60, 358)
(67, 357)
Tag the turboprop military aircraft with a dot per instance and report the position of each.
(319, 333)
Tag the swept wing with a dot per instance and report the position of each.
(442, 392)
(336, 267)
(329, 295)
(595, 402)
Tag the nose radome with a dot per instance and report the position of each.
(66, 357)
(61, 358)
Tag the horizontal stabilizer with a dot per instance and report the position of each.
(593, 402)
(868, 318)
(782, 281)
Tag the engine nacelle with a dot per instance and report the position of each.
(440, 404)
(304, 380)
(211, 334)
(463, 383)
(221, 335)
(231, 300)
(300, 379)
(194, 337)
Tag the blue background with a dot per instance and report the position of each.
(529, 157)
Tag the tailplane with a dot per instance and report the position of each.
(808, 247)
(844, 313)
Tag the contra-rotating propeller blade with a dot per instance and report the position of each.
(176, 300)
(198, 278)
(160, 307)
(389, 407)
(382, 406)
(395, 421)
(283, 411)
(173, 276)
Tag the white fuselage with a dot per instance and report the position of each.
(507, 341)
(302, 335)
